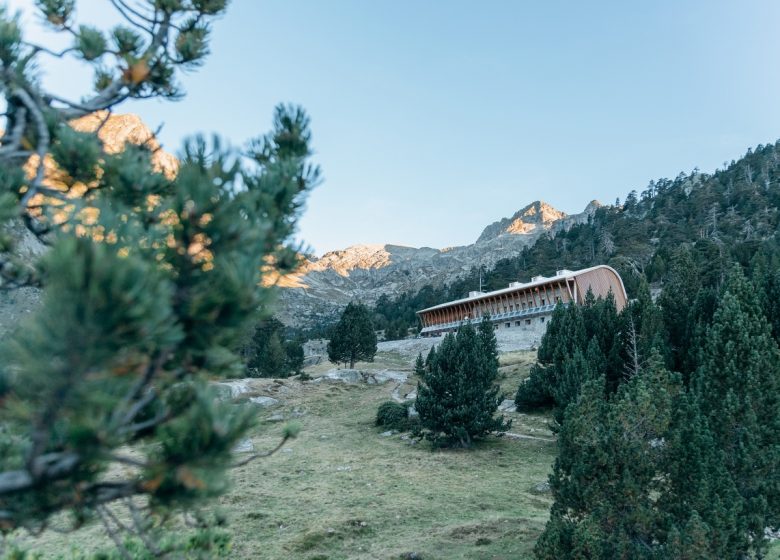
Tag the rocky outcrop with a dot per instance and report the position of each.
(537, 217)
(323, 286)
(114, 131)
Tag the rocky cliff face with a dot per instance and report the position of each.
(114, 131)
(325, 285)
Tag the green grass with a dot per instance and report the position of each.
(340, 490)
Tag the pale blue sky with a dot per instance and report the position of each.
(432, 119)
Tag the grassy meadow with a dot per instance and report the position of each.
(343, 490)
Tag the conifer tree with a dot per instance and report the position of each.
(353, 338)
(269, 354)
(148, 282)
(676, 300)
(457, 398)
(419, 365)
(605, 477)
(699, 503)
(738, 388)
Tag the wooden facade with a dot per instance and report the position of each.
(519, 303)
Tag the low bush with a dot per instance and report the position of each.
(393, 416)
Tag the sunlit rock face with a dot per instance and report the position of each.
(323, 286)
(114, 131)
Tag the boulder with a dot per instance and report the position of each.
(264, 401)
(507, 406)
(244, 446)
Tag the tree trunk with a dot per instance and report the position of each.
(352, 362)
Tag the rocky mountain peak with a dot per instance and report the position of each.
(118, 129)
(536, 216)
(343, 261)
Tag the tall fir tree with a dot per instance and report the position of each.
(605, 480)
(353, 338)
(458, 397)
(698, 503)
(676, 300)
(738, 389)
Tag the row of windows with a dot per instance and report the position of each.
(508, 324)
(512, 307)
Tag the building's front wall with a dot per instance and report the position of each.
(527, 304)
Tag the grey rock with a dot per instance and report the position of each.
(232, 389)
(264, 401)
(507, 406)
(542, 488)
(244, 446)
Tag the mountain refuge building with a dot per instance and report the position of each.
(525, 306)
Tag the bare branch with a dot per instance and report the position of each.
(112, 532)
(260, 455)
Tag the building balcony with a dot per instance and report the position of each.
(497, 318)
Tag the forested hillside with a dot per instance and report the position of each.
(724, 216)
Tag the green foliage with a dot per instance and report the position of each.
(738, 387)
(353, 338)
(270, 354)
(90, 43)
(140, 311)
(580, 341)
(658, 470)
(396, 330)
(457, 397)
(392, 416)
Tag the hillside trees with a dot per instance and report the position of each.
(149, 281)
(638, 476)
(579, 340)
(457, 397)
(353, 338)
(662, 468)
(738, 386)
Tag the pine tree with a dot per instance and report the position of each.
(353, 338)
(738, 388)
(419, 365)
(269, 354)
(648, 324)
(676, 300)
(295, 356)
(149, 280)
(564, 335)
(699, 503)
(458, 397)
(605, 479)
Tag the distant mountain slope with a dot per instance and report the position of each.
(325, 285)
(730, 215)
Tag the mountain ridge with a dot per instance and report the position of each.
(324, 285)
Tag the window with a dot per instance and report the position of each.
(541, 319)
(508, 325)
(557, 299)
(542, 301)
(511, 308)
(528, 321)
(517, 323)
